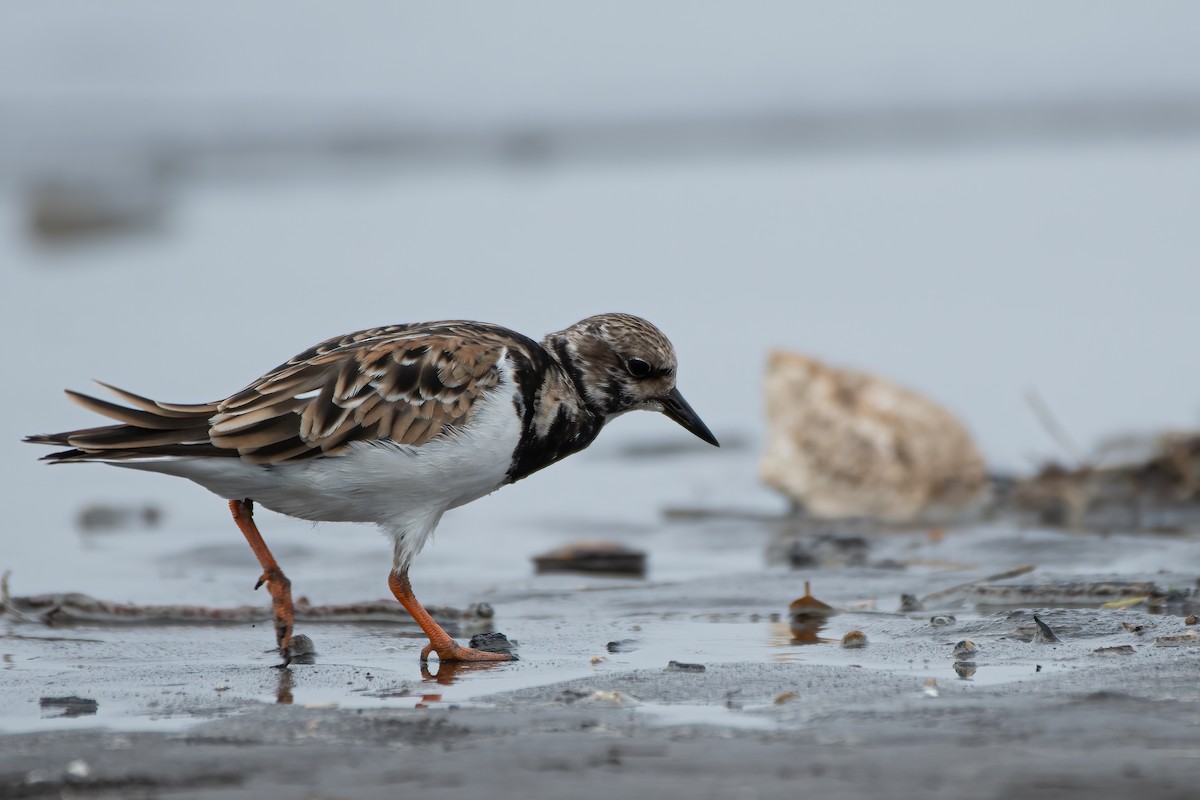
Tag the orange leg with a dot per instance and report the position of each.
(277, 583)
(439, 641)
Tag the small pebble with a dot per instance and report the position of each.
(679, 666)
(854, 638)
(965, 650)
(1045, 633)
(785, 697)
(1119, 650)
(1191, 619)
(942, 620)
(480, 610)
(302, 646)
(493, 642)
(78, 770)
(909, 602)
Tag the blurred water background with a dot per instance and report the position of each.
(974, 201)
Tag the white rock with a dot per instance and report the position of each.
(848, 444)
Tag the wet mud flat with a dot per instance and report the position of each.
(1078, 675)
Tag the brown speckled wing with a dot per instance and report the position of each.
(407, 385)
(404, 383)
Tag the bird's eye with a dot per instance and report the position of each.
(637, 367)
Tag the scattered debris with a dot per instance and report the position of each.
(698, 513)
(785, 697)
(854, 639)
(942, 620)
(1146, 483)
(931, 687)
(1045, 634)
(963, 589)
(479, 611)
(1128, 603)
(680, 666)
(73, 607)
(1078, 593)
(1119, 650)
(609, 558)
(71, 706)
(302, 651)
(909, 603)
(64, 209)
(98, 517)
(827, 550)
(494, 642)
(6, 606)
(1133, 627)
(809, 607)
(597, 697)
(1184, 640)
(623, 645)
(843, 444)
(965, 650)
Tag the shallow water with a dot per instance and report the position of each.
(710, 614)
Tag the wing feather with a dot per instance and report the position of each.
(406, 384)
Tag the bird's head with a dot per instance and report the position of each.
(621, 363)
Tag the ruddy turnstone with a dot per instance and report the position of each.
(395, 426)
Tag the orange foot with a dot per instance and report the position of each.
(439, 641)
(452, 651)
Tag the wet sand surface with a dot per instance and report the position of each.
(763, 706)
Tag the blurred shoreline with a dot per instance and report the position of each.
(154, 138)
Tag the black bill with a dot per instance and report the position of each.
(675, 407)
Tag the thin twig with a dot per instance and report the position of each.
(6, 606)
(964, 587)
(1057, 432)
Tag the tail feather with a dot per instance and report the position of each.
(130, 416)
(160, 408)
(152, 430)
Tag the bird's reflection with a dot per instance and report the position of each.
(449, 672)
(283, 691)
(446, 673)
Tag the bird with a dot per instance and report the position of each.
(394, 426)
